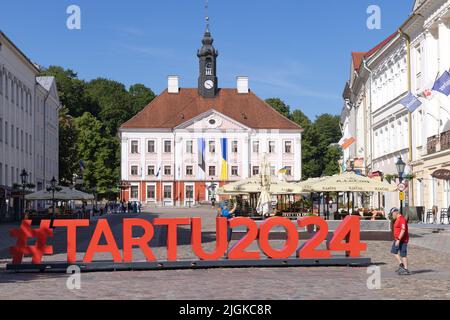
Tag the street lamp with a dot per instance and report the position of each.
(52, 189)
(401, 170)
(24, 178)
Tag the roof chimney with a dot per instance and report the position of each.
(173, 84)
(242, 85)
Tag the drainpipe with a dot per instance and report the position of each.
(409, 72)
(370, 111)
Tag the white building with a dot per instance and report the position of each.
(28, 126)
(410, 60)
(189, 139)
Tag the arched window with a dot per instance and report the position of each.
(208, 68)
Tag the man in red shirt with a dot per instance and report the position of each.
(401, 239)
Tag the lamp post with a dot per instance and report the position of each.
(24, 178)
(401, 170)
(52, 189)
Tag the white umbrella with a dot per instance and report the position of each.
(348, 182)
(63, 194)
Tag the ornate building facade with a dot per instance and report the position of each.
(189, 141)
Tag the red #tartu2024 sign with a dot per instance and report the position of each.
(346, 238)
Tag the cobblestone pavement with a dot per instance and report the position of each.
(429, 255)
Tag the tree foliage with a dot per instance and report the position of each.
(320, 156)
(89, 121)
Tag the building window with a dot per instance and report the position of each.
(272, 171)
(134, 192)
(134, 170)
(212, 147)
(234, 147)
(255, 170)
(271, 146)
(167, 170)
(151, 146)
(212, 171)
(151, 170)
(235, 171)
(167, 146)
(255, 146)
(134, 147)
(189, 170)
(189, 147)
(167, 192)
(151, 192)
(288, 147)
(1, 129)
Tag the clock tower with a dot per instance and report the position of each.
(207, 80)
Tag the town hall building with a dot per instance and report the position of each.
(189, 141)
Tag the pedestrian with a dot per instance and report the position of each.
(224, 211)
(401, 240)
(213, 202)
(140, 207)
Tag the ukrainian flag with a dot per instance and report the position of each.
(224, 172)
(283, 170)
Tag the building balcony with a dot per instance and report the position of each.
(438, 143)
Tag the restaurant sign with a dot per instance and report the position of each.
(441, 174)
(346, 238)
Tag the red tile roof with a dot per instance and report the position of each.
(169, 110)
(380, 45)
(357, 58)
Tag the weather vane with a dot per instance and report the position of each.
(207, 14)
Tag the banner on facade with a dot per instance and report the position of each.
(224, 170)
(442, 84)
(410, 102)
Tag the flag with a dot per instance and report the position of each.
(283, 170)
(442, 84)
(411, 102)
(201, 158)
(346, 143)
(224, 172)
(159, 172)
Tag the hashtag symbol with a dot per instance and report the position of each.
(37, 251)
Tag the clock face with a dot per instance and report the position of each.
(209, 84)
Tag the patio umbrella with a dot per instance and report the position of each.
(349, 182)
(63, 194)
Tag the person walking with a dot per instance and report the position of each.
(401, 240)
(224, 211)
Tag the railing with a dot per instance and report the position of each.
(432, 144)
(445, 141)
(438, 143)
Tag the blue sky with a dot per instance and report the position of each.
(293, 49)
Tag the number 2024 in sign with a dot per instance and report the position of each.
(346, 238)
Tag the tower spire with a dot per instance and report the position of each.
(207, 15)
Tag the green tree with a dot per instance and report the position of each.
(98, 150)
(279, 106)
(68, 153)
(114, 102)
(71, 91)
(141, 96)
